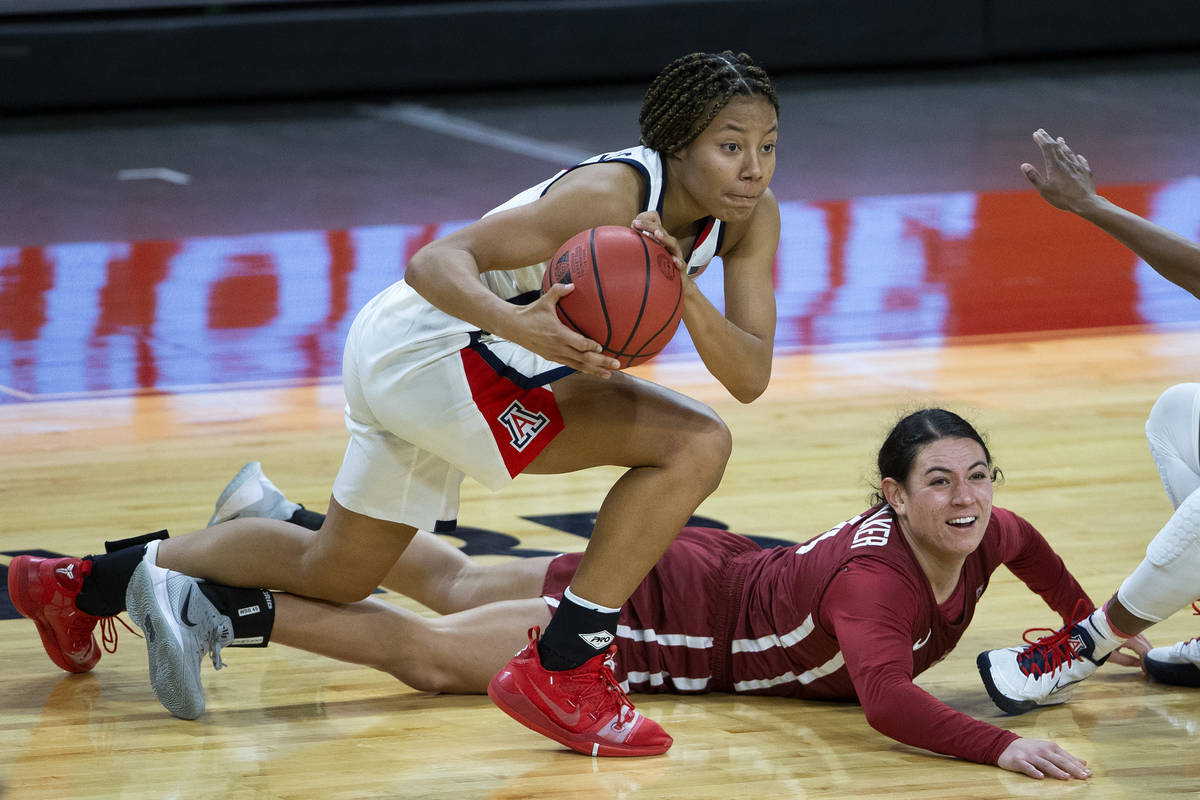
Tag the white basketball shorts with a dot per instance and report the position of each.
(423, 411)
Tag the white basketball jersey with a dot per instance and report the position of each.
(524, 284)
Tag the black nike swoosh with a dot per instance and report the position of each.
(183, 611)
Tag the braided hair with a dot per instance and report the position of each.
(692, 90)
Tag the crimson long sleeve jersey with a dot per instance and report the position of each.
(849, 614)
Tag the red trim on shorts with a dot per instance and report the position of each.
(522, 420)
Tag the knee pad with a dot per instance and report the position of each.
(1173, 432)
(1168, 578)
(1179, 535)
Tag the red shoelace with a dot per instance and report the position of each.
(108, 632)
(615, 695)
(1048, 653)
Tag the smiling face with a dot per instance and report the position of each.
(725, 170)
(945, 503)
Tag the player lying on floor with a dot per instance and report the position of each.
(1022, 678)
(854, 613)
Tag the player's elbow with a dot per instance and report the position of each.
(750, 387)
(751, 393)
(885, 724)
(418, 270)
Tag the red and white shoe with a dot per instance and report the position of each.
(582, 708)
(44, 589)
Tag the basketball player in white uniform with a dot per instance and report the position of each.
(503, 415)
(445, 376)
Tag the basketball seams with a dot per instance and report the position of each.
(670, 319)
(637, 323)
(610, 299)
(600, 289)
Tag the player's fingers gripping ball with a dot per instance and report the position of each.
(628, 293)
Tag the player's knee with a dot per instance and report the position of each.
(1174, 422)
(1179, 538)
(344, 591)
(429, 679)
(705, 447)
(338, 584)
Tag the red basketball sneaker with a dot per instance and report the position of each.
(582, 708)
(44, 589)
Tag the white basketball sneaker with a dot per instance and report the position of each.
(1020, 679)
(251, 494)
(181, 626)
(1178, 665)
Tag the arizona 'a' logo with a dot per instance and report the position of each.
(522, 424)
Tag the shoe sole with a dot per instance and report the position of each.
(175, 680)
(1173, 674)
(223, 512)
(19, 583)
(1006, 703)
(517, 706)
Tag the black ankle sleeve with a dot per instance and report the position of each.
(252, 612)
(103, 592)
(312, 520)
(134, 541)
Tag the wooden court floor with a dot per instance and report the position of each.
(1064, 416)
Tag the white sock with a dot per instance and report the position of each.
(1105, 640)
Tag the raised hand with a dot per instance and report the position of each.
(1067, 182)
(648, 222)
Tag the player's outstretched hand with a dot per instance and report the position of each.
(649, 223)
(543, 332)
(1139, 645)
(1038, 759)
(1067, 182)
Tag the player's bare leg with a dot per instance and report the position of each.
(458, 653)
(675, 450)
(441, 577)
(343, 562)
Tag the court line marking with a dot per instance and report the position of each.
(17, 393)
(440, 122)
(155, 174)
(178, 389)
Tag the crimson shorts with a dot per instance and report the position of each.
(674, 631)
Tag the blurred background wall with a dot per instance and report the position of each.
(58, 54)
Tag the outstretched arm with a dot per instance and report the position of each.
(873, 624)
(1066, 182)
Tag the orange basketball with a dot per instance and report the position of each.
(628, 293)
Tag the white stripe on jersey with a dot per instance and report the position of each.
(773, 640)
(830, 666)
(651, 635)
(668, 639)
(659, 678)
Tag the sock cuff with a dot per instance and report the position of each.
(579, 601)
(1116, 632)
